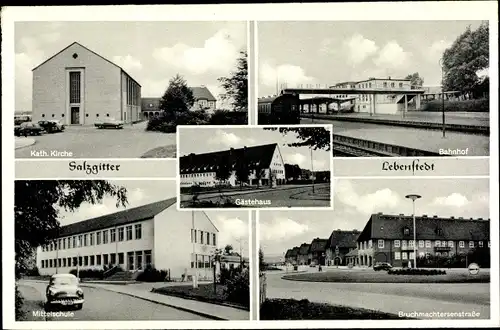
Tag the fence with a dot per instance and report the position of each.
(263, 285)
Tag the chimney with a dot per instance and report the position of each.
(452, 217)
(472, 218)
(191, 156)
(435, 216)
(424, 215)
(479, 218)
(401, 214)
(380, 213)
(389, 77)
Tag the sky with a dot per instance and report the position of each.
(202, 140)
(355, 200)
(232, 225)
(326, 53)
(151, 52)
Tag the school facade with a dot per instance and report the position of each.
(154, 234)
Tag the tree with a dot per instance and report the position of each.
(223, 170)
(416, 80)
(236, 85)
(242, 172)
(262, 264)
(228, 249)
(259, 173)
(293, 172)
(468, 55)
(313, 137)
(178, 97)
(216, 259)
(36, 209)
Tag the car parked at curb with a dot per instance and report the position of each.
(382, 266)
(64, 290)
(51, 126)
(28, 129)
(109, 123)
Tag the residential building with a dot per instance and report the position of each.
(155, 234)
(291, 255)
(303, 254)
(203, 100)
(264, 162)
(317, 251)
(340, 243)
(81, 87)
(389, 238)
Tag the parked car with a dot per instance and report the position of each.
(28, 128)
(64, 290)
(51, 126)
(59, 124)
(382, 266)
(109, 123)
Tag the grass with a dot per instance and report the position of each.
(291, 309)
(383, 277)
(169, 151)
(204, 292)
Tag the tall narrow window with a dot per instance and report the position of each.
(74, 87)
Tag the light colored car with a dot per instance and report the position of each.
(64, 290)
(59, 125)
(109, 123)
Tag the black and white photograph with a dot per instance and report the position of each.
(119, 89)
(389, 88)
(392, 249)
(255, 167)
(118, 250)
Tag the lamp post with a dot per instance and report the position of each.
(414, 197)
(195, 275)
(312, 169)
(442, 93)
(78, 259)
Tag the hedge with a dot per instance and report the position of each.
(416, 271)
(88, 273)
(482, 105)
(151, 274)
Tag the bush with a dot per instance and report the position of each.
(32, 272)
(224, 117)
(226, 274)
(151, 274)
(482, 105)
(237, 289)
(226, 202)
(89, 273)
(416, 271)
(20, 314)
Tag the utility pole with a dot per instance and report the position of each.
(414, 197)
(312, 169)
(442, 95)
(195, 275)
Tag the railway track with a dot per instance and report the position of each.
(352, 147)
(470, 129)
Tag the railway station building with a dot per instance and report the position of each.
(80, 87)
(155, 234)
(389, 238)
(264, 162)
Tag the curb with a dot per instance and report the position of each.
(207, 302)
(184, 309)
(26, 145)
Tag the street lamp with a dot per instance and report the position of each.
(312, 168)
(414, 197)
(442, 93)
(195, 275)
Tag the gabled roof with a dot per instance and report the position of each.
(386, 226)
(318, 245)
(352, 253)
(126, 216)
(256, 156)
(304, 249)
(79, 44)
(343, 239)
(202, 93)
(292, 253)
(288, 252)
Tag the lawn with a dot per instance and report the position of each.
(161, 152)
(204, 292)
(382, 277)
(291, 309)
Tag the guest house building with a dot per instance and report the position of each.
(154, 234)
(340, 243)
(317, 251)
(264, 163)
(292, 255)
(80, 87)
(303, 255)
(389, 238)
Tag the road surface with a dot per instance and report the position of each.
(90, 142)
(301, 196)
(388, 297)
(103, 305)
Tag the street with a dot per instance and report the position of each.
(386, 297)
(103, 305)
(283, 196)
(90, 142)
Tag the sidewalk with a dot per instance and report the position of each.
(141, 291)
(21, 142)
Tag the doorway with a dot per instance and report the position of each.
(139, 260)
(130, 261)
(75, 115)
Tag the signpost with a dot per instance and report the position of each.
(473, 269)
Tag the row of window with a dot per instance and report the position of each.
(62, 115)
(203, 237)
(95, 260)
(421, 244)
(203, 261)
(97, 238)
(409, 256)
(133, 92)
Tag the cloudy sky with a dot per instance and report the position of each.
(201, 140)
(232, 225)
(332, 52)
(356, 200)
(151, 52)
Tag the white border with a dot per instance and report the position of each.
(456, 10)
(246, 127)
